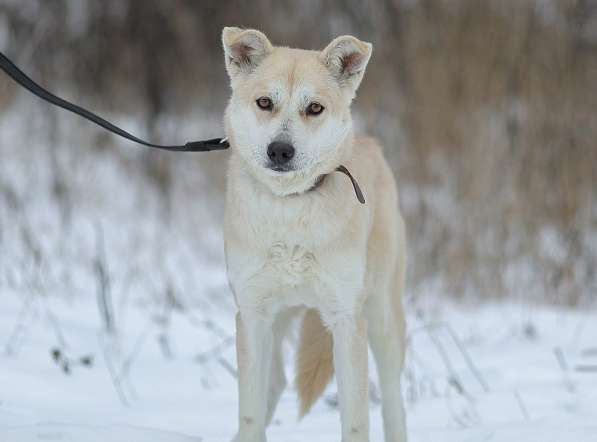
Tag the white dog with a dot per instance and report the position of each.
(300, 234)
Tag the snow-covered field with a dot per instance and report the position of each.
(485, 373)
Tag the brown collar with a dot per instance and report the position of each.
(357, 189)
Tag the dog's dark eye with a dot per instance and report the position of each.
(314, 108)
(265, 103)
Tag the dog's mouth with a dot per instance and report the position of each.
(280, 169)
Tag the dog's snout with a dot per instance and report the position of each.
(280, 153)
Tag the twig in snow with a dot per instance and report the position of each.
(411, 390)
(116, 381)
(106, 310)
(589, 352)
(163, 319)
(53, 320)
(229, 368)
(104, 298)
(523, 408)
(586, 368)
(465, 414)
(331, 400)
(429, 328)
(559, 354)
(125, 368)
(206, 324)
(465, 355)
(164, 343)
(215, 351)
(468, 415)
(453, 378)
(66, 363)
(374, 394)
(18, 330)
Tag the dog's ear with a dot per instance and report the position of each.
(244, 49)
(346, 57)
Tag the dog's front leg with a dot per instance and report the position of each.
(254, 342)
(350, 362)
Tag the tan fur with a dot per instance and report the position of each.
(314, 361)
(288, 246)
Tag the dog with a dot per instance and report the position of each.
(301, 238)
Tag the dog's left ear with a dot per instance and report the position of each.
(346, 57)
(244, 50)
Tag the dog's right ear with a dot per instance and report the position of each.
(244, 49)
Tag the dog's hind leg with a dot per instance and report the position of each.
(386, 337)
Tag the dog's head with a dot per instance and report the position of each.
(289, 114)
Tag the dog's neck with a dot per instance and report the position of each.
(318, 182)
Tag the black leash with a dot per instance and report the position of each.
(21, 78)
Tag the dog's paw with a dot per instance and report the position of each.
(245, 437)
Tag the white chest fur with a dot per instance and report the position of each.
(293, 264)
(295, 249)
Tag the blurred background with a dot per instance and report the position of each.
(487, 110)
(111, 255)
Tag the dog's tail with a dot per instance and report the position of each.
(314, 361)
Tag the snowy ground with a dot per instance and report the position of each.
(532, 376)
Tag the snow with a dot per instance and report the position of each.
(76, 433)
(531, 360)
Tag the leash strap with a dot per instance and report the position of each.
(21, 78)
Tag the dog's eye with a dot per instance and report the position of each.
(314, 108)
(265, 103)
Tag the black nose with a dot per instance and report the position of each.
(280, 153)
